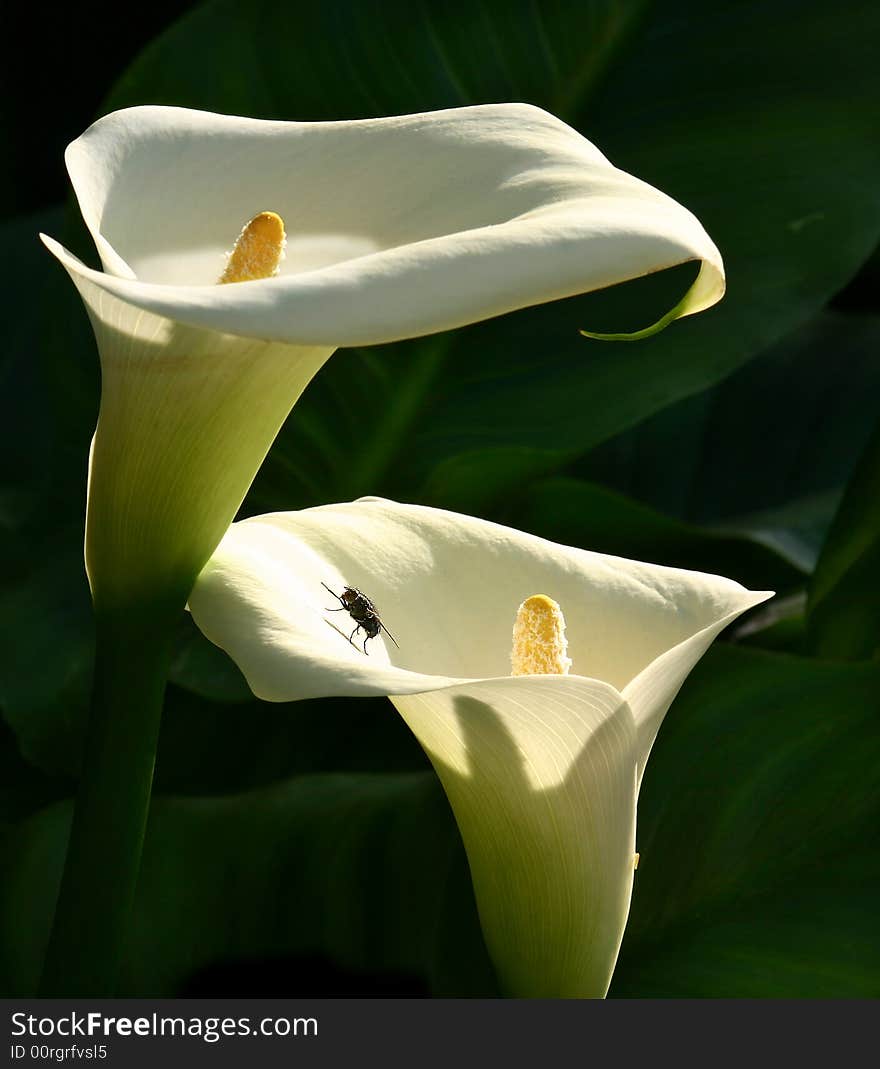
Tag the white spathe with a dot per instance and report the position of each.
(397, 227)
(542, 771)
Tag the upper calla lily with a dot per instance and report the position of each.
(542, 770)
(396, 227)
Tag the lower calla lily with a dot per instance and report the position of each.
(542, 770)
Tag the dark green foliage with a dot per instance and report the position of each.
(844, 605)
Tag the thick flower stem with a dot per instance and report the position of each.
(103, 856)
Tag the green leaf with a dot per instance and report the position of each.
(23, 789)
(843, 614)
(767, 452)
(360, 869)
(50, 423)
(584, 514)
(46, 659)
(818, 942)
(366, 65)
(209, 747)
(48, 366)
(204, 669)
(756, 835)
(27, 427)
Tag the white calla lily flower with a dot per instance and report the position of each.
(395, 228)
(542, 770)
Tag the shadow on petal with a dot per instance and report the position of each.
(548, 822)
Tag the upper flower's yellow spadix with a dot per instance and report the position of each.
(259, 250)
(539, 644)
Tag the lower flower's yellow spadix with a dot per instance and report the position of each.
(539, 644)
(259, 250)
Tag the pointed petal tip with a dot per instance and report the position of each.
(57, 250)
(63, 256)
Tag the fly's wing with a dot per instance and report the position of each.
(374, 614)
(388, 633)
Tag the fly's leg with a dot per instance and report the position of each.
(342, 604)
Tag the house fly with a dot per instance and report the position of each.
(362, 610)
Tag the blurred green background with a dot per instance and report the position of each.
(308, 848)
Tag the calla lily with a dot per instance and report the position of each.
(542, 770)
(396, 227)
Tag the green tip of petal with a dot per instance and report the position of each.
(637, 335)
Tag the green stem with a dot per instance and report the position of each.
(104, 851)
